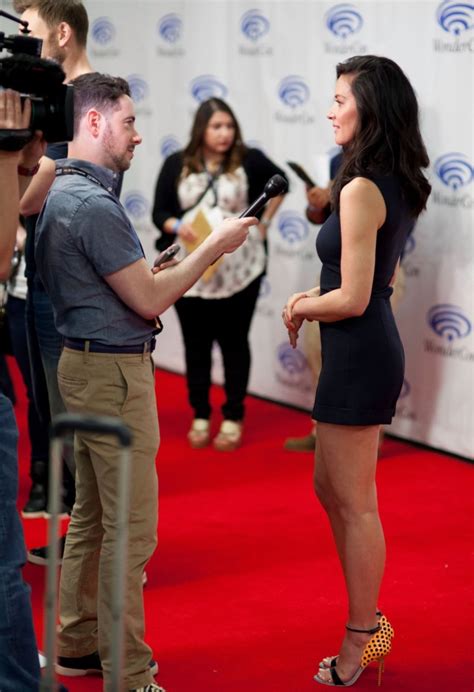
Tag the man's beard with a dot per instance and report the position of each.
(115, 161)
(54, 50)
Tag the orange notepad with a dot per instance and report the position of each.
(202, 228)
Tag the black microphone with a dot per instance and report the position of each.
(277, 185)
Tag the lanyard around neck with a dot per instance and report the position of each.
(71, 170)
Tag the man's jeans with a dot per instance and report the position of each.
(45, 345)
(19, 666)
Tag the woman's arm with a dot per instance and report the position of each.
(362, 213)
(166, 205)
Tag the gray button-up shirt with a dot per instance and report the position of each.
(83, 234)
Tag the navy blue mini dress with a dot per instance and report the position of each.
(362, 357)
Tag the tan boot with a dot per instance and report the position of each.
(301, 444)
(229, 436)
(199, 433)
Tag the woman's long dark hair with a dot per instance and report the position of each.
(193, 153)
(387, 139)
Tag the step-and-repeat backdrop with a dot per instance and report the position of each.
(274, 63)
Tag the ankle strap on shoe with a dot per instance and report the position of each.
(372, 631)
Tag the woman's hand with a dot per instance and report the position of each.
(318, 197)
(187, 233)
(291, 322)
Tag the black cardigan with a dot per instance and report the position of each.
(256, 165)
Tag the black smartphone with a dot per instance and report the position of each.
(301, 173)
(167, 254)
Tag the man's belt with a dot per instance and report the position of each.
(97, 347)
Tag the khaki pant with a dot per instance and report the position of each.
(115, 385)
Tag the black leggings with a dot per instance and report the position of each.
(227, 321)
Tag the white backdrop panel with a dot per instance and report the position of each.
(274, 63)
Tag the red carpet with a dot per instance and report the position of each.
(244, 591)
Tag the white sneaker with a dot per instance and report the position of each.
(149, 688)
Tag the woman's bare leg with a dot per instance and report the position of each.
(345, 484)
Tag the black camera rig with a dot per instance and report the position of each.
(40, 80)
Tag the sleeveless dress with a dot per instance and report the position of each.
(362, 357)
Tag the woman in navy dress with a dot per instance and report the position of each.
(377, 195)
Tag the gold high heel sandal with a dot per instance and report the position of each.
(378, 646)
(330, 661)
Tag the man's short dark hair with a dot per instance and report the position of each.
(96, 90)
(53, 12)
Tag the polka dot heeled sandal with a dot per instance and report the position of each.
(385, 626)
(378, 646)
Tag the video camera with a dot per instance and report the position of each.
(40, 80)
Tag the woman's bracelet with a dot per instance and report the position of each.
(177, 225)
(265, 222)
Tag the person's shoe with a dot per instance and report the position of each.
(385, 628)
(378, 646)
(65, 511)
(91, 664)
(79, 665)
(149, 688)
(36, 503)
(301, 444)
(199, 433)
(39, 556)
(229, 436)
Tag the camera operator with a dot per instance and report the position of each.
(63, 26)
(19, 666)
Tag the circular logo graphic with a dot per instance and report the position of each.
(170, 27)
(102, 31)
(293, 91)
(343, 20)
(292, 360)
(454, 170)
(409, 245)
(254, 25)
(455, 17)
(206, 86)
(292, 226)
(449, 321)
(138, 87)
(135, 204)
(405, 390)
(169, 145)
(265, 288)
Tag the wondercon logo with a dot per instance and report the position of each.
(291, 359)
(170, 27)
(135, 204)
(138, 87)
(343, 20)
(265, 288)
(103, 31)
(207, 86)
(409, 245)
(292, 226)
(169, 145)
(455, 17)
(293, 91)
(454, 170)
(448, 321)
(254, 25)
(405, 390)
